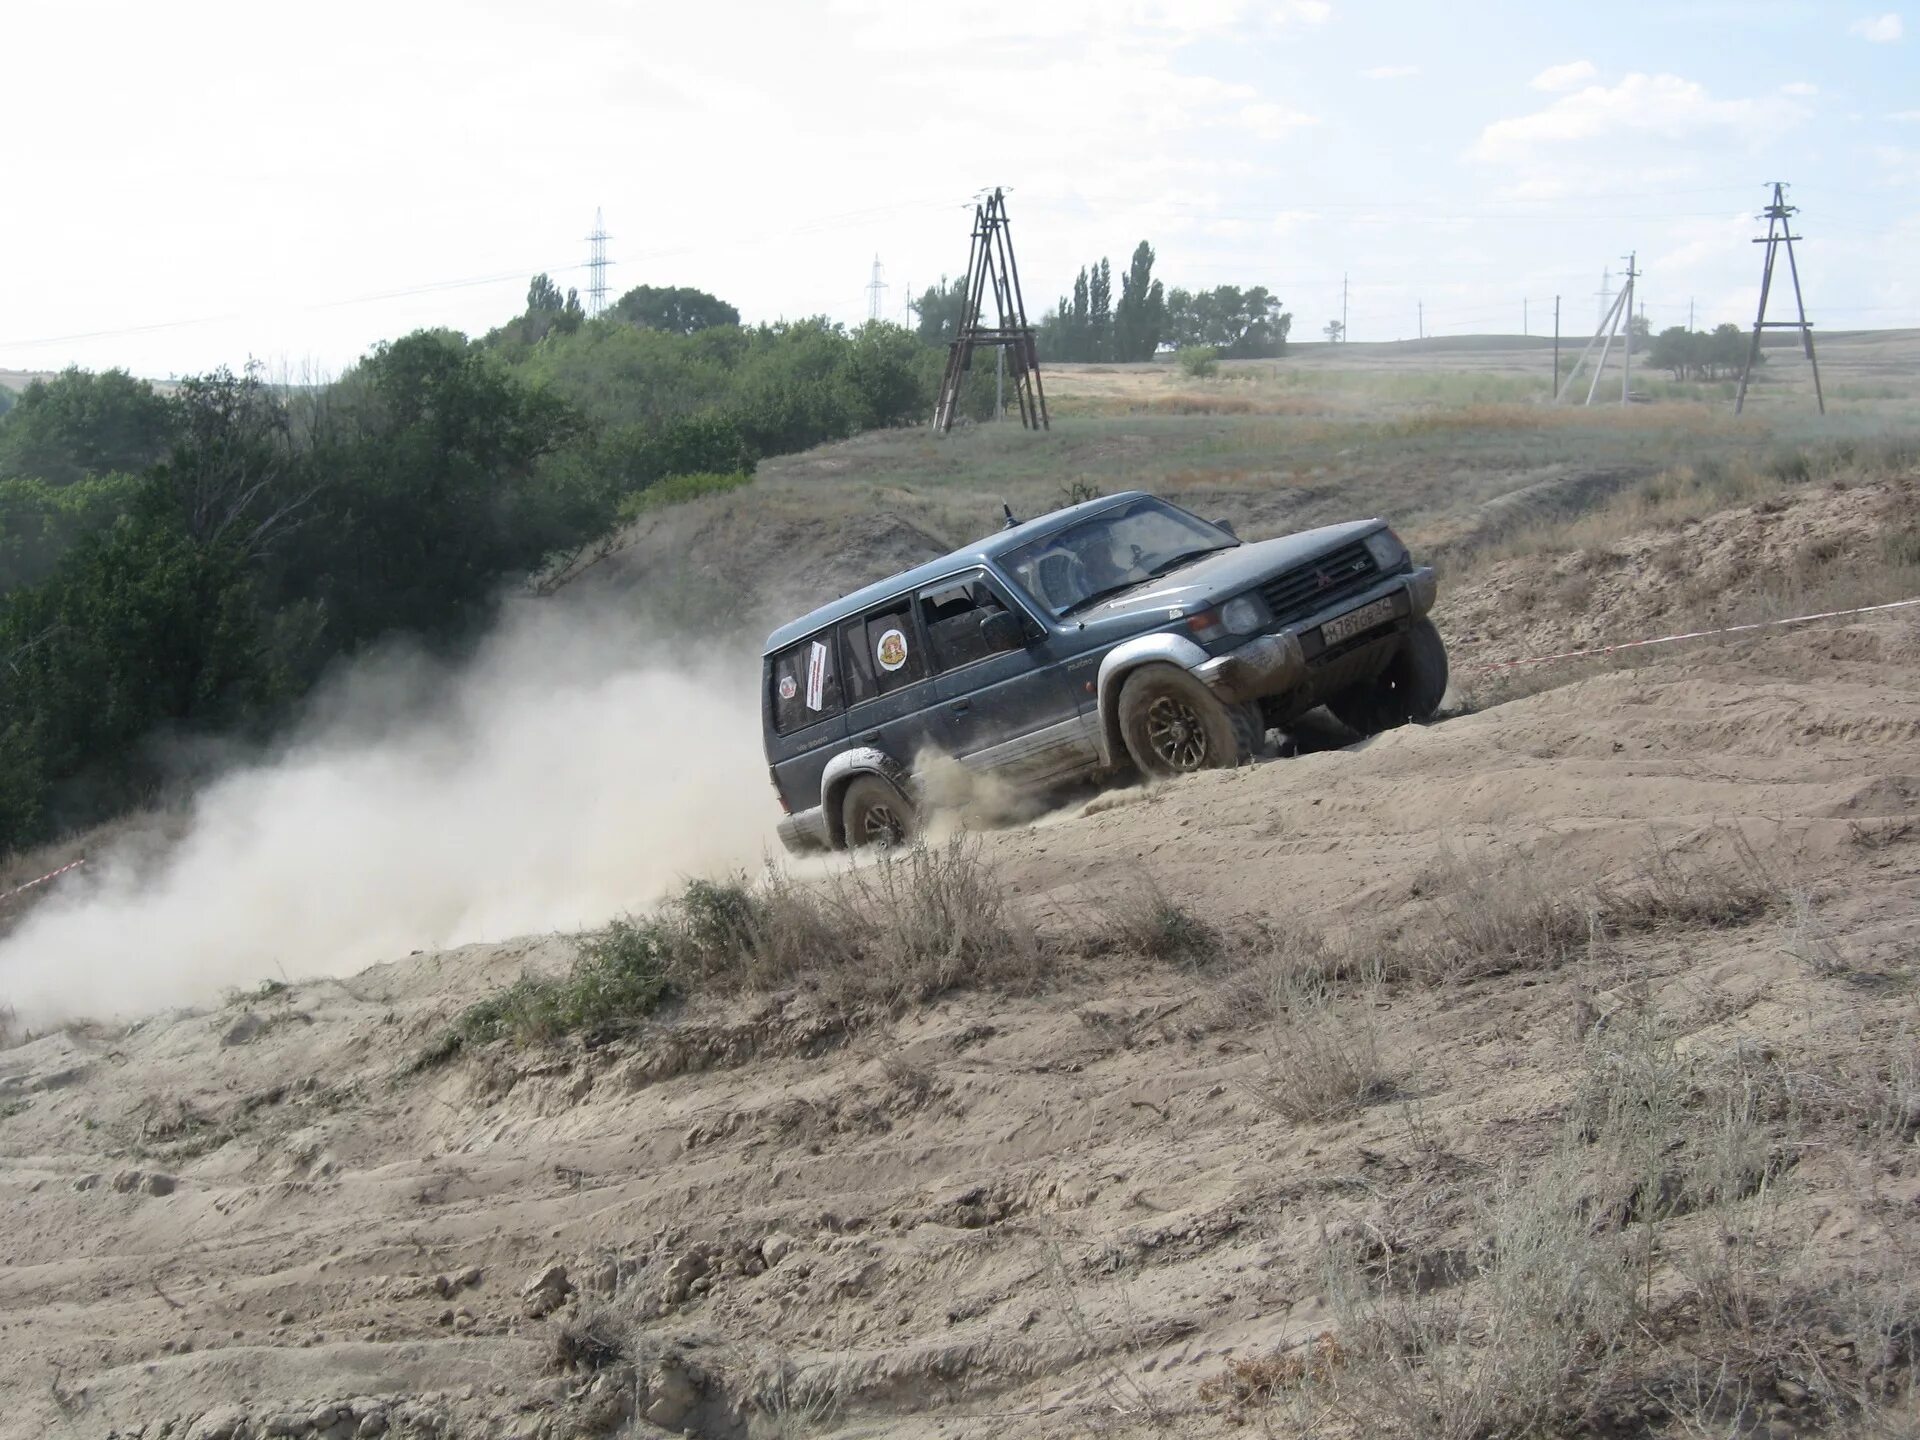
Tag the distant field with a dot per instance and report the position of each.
(1453, 439)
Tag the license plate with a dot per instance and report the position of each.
(1345, 627)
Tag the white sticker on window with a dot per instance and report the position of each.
(788, 689)
(892, 650)
(816, 675)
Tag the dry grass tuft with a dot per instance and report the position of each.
(588, 1342)
(1506, 914)
(895, 931)
(1149, 923)
(1251, 1385)
(1322, 1054)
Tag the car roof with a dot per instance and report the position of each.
(977, 553)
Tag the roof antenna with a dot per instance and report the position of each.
(1007, 510)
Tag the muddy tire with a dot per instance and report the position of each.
(874, 814)
(1173, 725)
(1410, 689)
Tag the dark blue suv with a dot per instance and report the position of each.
(1122, 632)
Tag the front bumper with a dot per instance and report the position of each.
(1274, 664)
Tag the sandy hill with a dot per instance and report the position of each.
(1546, 1070)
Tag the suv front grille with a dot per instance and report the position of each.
(1346, 571)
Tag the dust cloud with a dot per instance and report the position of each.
(572, 770)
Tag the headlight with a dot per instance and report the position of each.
(1387, 551)
(1243, 615)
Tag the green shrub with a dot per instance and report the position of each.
(1199, 361)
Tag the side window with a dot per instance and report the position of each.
(860, 667)
(890, 648)
(806, 684)
(954, 613)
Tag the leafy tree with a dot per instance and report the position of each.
(1699, 355)
(6, 401)
(1142, 312)
(80, 424)
(139, 626)
(678, 309)
(1335, 331)
(1239, 324)
(40, 522)
(940, 311)
(432, 494)
(888, 379)
(1100, 312)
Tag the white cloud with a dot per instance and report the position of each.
(1564, 77)
(1390, 72)
(1905, 116)
(1274, 122)
(1800, 87)
(1666, 107)
(1307, 12)
(1878, 29)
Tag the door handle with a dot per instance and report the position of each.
(960, 707)
(872, 736)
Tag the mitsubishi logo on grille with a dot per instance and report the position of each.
(1324, 580)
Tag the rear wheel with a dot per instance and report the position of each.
(876, 815)
(1173, 725)
(1409, 689)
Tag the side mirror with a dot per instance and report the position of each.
(1226, 525)
(1002, 631)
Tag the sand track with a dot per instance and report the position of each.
(1004, 1211)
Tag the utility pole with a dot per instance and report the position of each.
(1344, 335)
(876, 290)
(1523, 317)
(597, 268)
(1689, 314)
(1556, 344)
(1606, 294)
(1422, 311)
(1626, 360)
(1780, 232)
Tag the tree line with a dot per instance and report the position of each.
(1090, 325)
(193, 562)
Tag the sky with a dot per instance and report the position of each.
(205, 183)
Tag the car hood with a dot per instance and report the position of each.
(1225, 573)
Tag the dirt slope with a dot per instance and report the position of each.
(1064, 1210)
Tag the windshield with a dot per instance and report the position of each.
(1110, 551)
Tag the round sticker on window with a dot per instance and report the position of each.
(788, 689)
(892, 650)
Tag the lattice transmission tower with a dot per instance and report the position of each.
(597, 267)
(990, 263)
(877, 291)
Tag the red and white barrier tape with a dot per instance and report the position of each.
(55, 875)
(1689, 635)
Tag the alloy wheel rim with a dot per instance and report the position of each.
(882, 826)
(1175, 734)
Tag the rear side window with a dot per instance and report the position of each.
(806, 684)
(954, 613)
(883, 652)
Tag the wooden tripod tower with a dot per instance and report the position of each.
(1617, 321)
(1779, 233)
(990, 263)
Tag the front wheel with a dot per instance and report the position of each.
(873, 813)
(1173, 725)
(1409, 689)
